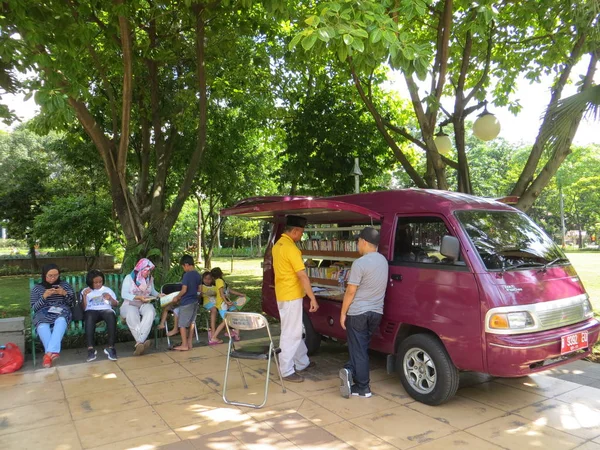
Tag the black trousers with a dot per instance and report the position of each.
(359, 330)
(92, 317)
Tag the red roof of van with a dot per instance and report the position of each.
(371, 204)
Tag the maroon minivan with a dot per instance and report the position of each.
(474, 284)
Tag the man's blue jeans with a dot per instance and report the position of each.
(359, 330)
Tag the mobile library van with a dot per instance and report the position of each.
(474, 284)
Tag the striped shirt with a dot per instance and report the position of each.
(41, 306)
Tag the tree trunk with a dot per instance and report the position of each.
(199, 232)
(34, 263)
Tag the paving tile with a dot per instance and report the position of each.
(271, 411)
(185, 412)
(157, 374)
(262, 436)
(196, 354)
(584, 395)
(92, 405)
(222, 440)
(317, 414)
(574, 418)
(540, 384)
(310, 387)
(403, 427)
(215, 379)
(94, 369)
(23, 394)
(469, 379)
(591, 445)
(37, 376)
(168, 391)
(392, 389)
(77, 387)
(458, 412)
(204, 366)
(500, 396)
(458, 441)
(304, 434)
(53, 437)
(349, 408)
(514, 432)
(148, 442)
(152, 360)
(215, 420)
(357, 437)
(106, 429)
(33, 416)
(255, 394)
(579, 379)
(181, 445)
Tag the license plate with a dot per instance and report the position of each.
(573, 342)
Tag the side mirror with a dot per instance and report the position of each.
(450, 247)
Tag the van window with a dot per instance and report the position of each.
(418, 239)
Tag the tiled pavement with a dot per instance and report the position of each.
(172, 400)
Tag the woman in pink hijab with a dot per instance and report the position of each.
(137, 293)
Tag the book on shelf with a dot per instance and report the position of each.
(325, 245)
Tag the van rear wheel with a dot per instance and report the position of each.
(426, 370)
(312, 339)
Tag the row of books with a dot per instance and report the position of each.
(329, 273)
(334, 245)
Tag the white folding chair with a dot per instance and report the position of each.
(250, 321)
(167, 289)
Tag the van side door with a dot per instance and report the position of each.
(427, 290)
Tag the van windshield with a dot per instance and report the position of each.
(508, 240)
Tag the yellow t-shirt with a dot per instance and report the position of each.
(287, 260)
(209, 294)
(219, 283)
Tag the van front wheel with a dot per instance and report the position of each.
(426, 370)
(312, 339)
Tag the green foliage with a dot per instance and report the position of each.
(242, 228)
(75, 222)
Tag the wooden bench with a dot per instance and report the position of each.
(76, 327)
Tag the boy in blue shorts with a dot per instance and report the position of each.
(188, 302)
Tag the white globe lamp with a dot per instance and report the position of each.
(442, 142)
(487, 126)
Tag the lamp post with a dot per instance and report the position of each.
(442, 142)
(357, 174)
(487, 126)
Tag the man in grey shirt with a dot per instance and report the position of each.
(361, 313)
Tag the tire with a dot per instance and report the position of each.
(312, 339)
(426, 370)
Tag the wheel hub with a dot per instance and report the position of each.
(420, 371)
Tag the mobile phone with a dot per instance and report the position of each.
(55, 286)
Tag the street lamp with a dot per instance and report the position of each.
(487, 126)
(357, 174)
(442, 142)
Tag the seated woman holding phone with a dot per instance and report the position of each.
(137, 293)
(51, 301)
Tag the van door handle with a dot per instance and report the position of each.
(397, 277)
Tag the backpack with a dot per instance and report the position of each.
(11, 358)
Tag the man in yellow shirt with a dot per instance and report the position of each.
(291, 285)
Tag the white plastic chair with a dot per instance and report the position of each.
(250, 321)
(166, 289)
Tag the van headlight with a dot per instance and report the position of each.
(511, 321)
(588, 311)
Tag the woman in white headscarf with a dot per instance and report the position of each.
(137, 293)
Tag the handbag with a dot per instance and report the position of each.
(11, 358)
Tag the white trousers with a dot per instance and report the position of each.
(293, 349)
(140, 328)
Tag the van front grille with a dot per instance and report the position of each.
(561, 316)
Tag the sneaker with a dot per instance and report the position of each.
(92, 353)
(47, 361)
(294, 378)
(345, 382)
(356, 392)
(310, 366)
(111, 353)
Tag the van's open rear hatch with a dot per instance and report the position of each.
(315, 210)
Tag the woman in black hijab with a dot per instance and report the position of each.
(51, 301)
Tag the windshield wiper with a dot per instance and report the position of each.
(551, 263)
(523, 264)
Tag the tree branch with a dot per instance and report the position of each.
(486, 69)
(126, 45)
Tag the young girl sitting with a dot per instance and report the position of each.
(98, 303)
(224, 303)
(209, 301)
